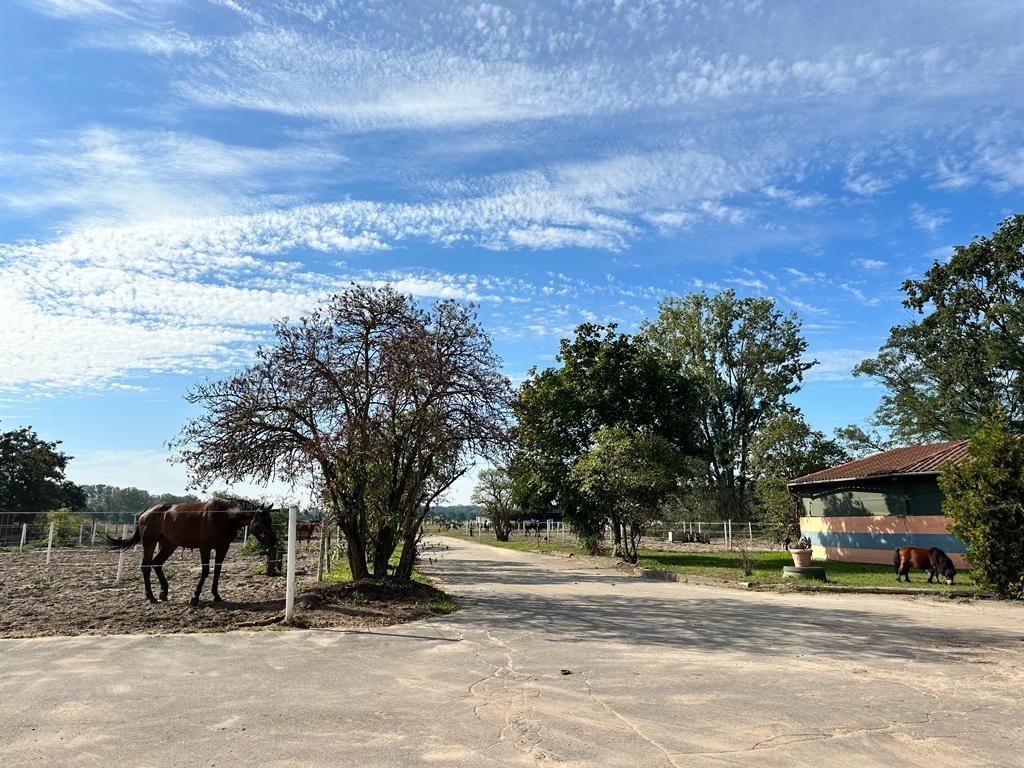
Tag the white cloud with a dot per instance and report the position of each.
(928, 220)
(835, 364)
(870, 264)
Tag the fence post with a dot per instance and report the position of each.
(245, 535)
(93, 540)
(24, 534)
(750, 530)
(49, 544)
(698, 526)
(670, 537)
(120, 557)
(81, 532)
(289, 589)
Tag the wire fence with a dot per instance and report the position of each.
(720, 534)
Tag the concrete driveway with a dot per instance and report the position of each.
(659, 674)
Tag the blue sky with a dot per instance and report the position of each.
(174, 175)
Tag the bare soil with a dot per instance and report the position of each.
(78, 594)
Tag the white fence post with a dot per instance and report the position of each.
(49, 544)
(750, 531)
(81, 532)
(93, 540)
(670, 537)
(24, 534)
(322, 556)
(289, 590)
(245, 535)
(120, 557)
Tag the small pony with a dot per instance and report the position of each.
(933, 560)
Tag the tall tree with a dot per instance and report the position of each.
(494, 493)
(604, 379)
(381, 404)
(745, 358)
(962, 360)
(32, 474)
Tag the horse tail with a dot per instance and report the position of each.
(124, 543)
(896, 558)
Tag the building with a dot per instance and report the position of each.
(862, 510)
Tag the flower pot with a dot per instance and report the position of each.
(801, 557)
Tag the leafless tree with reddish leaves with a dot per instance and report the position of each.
(381, 404)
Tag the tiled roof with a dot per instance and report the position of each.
(899, 461)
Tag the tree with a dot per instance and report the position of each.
(745, 358)
(379, 403)
(630, 474)
(32, 474)
(783, 449)
(493, 493)
(113, 503)
(962, 360)
(984, 500)
(604, 379)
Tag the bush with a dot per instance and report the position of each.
(984, 499)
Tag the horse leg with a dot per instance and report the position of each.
(166, 550)
(219, 561)
(204, 555)
(147, 559)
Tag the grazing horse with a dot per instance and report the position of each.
(206, 526)
(933, 560)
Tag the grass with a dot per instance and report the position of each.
(437, 602)
(727, 565)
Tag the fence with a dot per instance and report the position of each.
(719, 534)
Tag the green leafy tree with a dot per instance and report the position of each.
(629, 474)
(494, 495)
(32, 474)
(984, 500)
(604, 379)
(783, 449)
(745, 359)
(381, 404)
(962, 360)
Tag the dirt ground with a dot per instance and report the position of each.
(77, 594)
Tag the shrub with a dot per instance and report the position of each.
(984, 499)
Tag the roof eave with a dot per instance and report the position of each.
(861, 477)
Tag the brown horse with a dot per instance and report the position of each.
(304, 530)
(933, 560)
(206, 526)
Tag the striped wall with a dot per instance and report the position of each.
(871, 539)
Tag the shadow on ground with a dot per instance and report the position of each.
(767, 627)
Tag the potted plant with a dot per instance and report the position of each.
(801, 552)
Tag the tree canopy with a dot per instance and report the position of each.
(962, 360)
(494, 494)
(604, 379)
(32, 474)
(376, 401)
(744, 358)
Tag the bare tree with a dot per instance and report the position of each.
(379, 403)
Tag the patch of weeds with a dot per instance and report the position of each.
(442, 605)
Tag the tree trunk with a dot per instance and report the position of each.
(403, 572)
(356, 553)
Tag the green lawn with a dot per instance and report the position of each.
(726, 565)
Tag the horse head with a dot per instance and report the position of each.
(949, 572)
(262, 528)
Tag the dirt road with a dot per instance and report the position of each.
(547, 663)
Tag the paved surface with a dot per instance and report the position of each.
(662, 674)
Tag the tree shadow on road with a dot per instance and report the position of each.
(762, 627)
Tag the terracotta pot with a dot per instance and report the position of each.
(801, 557)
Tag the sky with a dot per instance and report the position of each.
(176, 175)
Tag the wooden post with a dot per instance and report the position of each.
(49, 544)
(81, 532)
(24, 534)
(93, 539)
(289, 588)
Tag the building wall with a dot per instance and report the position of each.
(863, 523)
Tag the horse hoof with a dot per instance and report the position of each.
(151, 599)
(218, 599)
(194, 602)
(163, 596)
